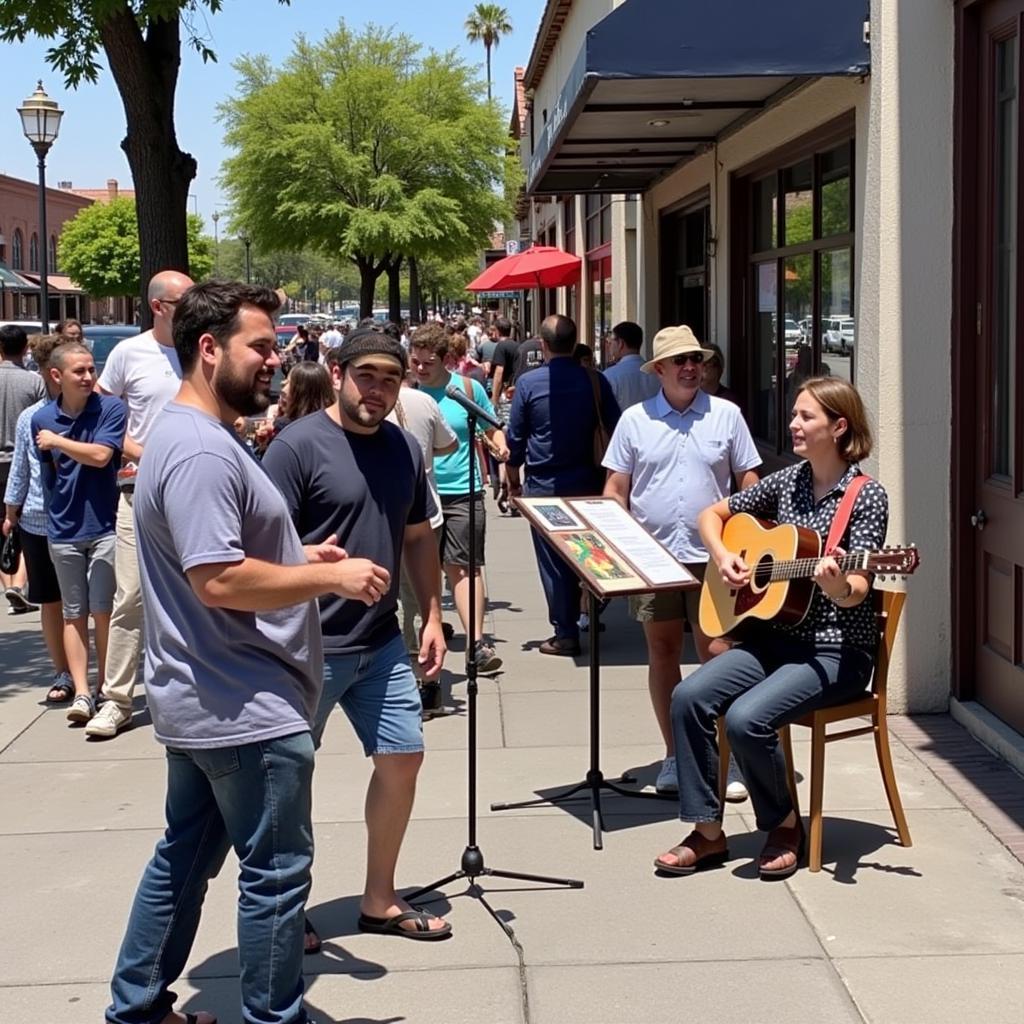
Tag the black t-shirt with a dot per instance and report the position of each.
(310, 351)
(528, 357)
(363, 487)
(505, 356)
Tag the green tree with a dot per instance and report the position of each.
(141, 40)
(486, 24)
(99, 249)
(360, 147)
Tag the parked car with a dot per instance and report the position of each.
(838, 334)
(102, 338)
(793, 336)
(292, 319)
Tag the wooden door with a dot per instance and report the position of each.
(998, 514)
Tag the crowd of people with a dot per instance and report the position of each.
(273, 560)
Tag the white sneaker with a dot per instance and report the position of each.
(108, 721)
(666, 781)
(735, 792)
(83, 707)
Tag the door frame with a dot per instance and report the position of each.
(968, 432)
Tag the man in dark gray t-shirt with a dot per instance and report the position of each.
(233, 667)
(349, 473)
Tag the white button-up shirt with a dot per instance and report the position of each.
(679, 463)
(630, 383)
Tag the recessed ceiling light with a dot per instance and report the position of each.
(658, 122)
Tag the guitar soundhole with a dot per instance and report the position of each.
(762, 575)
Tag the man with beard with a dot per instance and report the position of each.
(233, 669)
(346, 472)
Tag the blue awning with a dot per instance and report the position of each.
(657, 79)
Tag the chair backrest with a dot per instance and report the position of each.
(889, 611)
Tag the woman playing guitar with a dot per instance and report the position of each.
(781, 672)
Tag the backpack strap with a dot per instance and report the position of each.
(842, 517)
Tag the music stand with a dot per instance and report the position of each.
(472, 864)
(593, 536)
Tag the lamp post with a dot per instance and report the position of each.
(216, 242)
(40, 121)
(247, 242)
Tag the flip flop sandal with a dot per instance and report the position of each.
(780, 841)
(315, 948)
(706, 853)
(393, 926)
(67, 691)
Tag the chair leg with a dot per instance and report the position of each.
(723, 764)
(817, 791)
(786, 736)
(889, 780)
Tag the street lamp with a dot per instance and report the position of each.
(40, 121)
(247, 242)
(216, 242)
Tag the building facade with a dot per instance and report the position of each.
(785, 179)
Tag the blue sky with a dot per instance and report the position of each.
(88, 150)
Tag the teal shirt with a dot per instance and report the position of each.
(452, 471)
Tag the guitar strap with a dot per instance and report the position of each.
(842, 517)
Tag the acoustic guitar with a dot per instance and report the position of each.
(782, 559)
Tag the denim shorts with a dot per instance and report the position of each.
(85, 571)
(378, 692)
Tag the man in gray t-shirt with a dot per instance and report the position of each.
(233, 667)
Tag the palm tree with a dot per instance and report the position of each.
(487, 23)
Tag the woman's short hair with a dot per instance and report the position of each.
(717, 355)
(309, 390)
(840, 399)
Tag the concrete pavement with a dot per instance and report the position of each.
(884, 934)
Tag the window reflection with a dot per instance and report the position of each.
(798, 292)
(838, 328)
(835, 192)
(766, 231)
(799, 203)
(766, 354)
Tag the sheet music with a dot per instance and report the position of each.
(633, 541)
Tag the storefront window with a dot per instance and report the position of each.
(800, 303)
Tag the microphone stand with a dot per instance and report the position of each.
(472, 865)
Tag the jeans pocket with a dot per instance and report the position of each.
(216, 762)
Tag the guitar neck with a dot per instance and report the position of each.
(803, 568)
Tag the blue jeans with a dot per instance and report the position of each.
(759, 687)
(561, 589)
(255, 798)
(378, 692)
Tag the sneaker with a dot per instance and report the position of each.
(448, 630)
(83, 707)
(736, 792)
(19, 601)
(485, 658)
(666, 782)
(431, 699)
(109, 721)
(583, 622)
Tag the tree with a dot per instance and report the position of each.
(361, 148)
(142, 43)
(487, 23)
(99, 249)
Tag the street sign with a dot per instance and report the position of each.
(498, 295)
(512, 247)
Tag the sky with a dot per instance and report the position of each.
(88, 151)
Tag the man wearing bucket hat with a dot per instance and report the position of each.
(347, 473)
(670, 457)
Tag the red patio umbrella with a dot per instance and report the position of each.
(542, 266)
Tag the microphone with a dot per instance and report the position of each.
(453, 391)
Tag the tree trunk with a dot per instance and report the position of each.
(415, 303)
(395, 289)
(368, 274)
(488, 49)
(146, 73)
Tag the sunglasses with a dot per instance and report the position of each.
(688, 357)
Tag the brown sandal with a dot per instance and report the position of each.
(706, 853)
(781, 841)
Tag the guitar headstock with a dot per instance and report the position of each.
(894, 561)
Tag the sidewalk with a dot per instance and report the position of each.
(933, 933)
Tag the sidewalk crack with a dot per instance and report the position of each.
(524, 986)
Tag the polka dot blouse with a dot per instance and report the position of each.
(788, 497)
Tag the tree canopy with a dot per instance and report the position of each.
(99, 249)
(141, 40)
(361, 146)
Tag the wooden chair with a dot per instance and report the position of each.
(889, 609)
